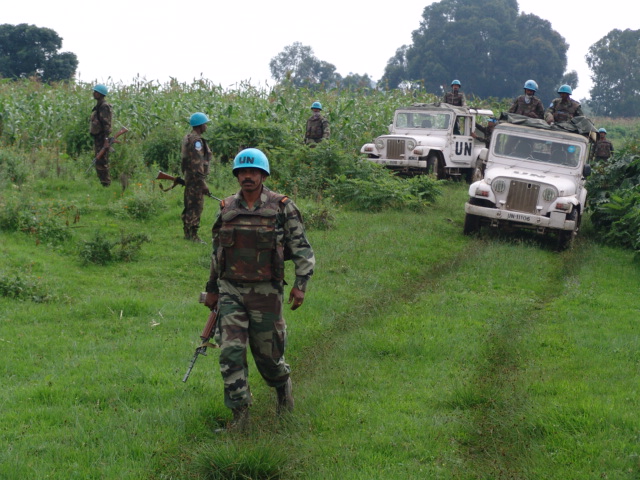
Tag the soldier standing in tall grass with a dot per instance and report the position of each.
(100, 129)
(196, 157)
(255, 231)
(317, 126)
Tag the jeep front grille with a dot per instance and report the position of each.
(523, 196)
(395, 149)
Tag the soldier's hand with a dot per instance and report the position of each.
(296, 297)
(205, 190)
(211, 300)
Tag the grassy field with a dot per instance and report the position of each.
(419, 353)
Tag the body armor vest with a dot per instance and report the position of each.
(314, 127)
(603, 148)
(248, 250)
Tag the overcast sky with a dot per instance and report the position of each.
(230, 42)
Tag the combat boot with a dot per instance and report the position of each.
(194, 236)
(285, 398)
(240, 421)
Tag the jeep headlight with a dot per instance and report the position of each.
(379, 143)
(499, 185)
(549, 194)
(411, 144)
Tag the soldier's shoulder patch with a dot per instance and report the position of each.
(198, 145)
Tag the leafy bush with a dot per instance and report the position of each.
(13, 166)
(102, 251)
(614, 198)
(162, 148)
(142, 205)
(76, 137)
(229, 136)
(22, 286)
(48, 223)
(370, 187)
(318, 215)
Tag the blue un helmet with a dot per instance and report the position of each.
(251, 158)
(455, 82)
(531, 85)
(602, 130)
(565, 89)
(198, 119)
(101, 89)
(317, 105)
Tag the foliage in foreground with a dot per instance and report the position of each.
(614, 191)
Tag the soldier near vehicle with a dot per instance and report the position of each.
(196, 157)
(100, 129)
(603, 148)
(317, 126)
(455, 96)
(486, 131)
(255, 231)
(528, 104)
(564, 108)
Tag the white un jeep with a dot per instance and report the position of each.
(425, 138)
(534, 179)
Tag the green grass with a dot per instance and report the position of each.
(419, 353)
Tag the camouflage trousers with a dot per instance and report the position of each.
(250, 314)
(193, 206)
(102, 165)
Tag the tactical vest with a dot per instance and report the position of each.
(96, 126)
(314, 127)
(564, 112)
(603, 149)
(453, 99)
(248, 250)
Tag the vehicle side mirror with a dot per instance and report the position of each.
(390, 127)
(586, 171)
(484, 153)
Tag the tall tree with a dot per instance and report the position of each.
(488, 46)
(27, 50)
(297, 65)
(614, 61)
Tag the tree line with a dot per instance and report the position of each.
(490, 47)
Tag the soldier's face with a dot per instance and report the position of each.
(528, 92)
(455, 87)
(250, 179)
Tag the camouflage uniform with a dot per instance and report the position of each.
(487, 132)
(603, 150)
(455, 98)
(317, 129)
(196, 157)
(533, 109)
(560, 111)
(247, 271)
(100, 129)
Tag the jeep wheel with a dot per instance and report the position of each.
(566, 237)
(478, 174)
(471, 224)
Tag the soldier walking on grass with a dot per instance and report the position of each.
(256, 229)
(196, 157)
(317, 126)
(528, 104)
(100, 129)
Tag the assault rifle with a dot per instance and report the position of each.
(177, 181)
(106, 148)
(205, 336)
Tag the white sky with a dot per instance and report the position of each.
(234, 41)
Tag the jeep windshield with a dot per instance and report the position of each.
(432, 121)
(536, 150)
